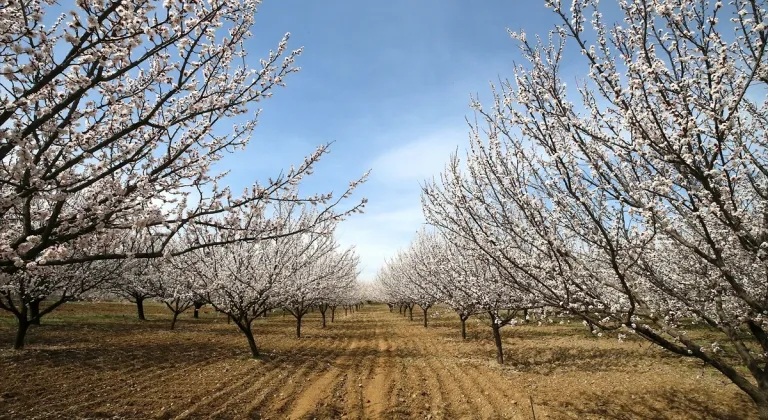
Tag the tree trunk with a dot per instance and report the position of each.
(140, 309)
(246, 329)
(463, 327)
(252, 345)
(322, 313)
(298, 327)
(34, 312)
(410, 310)
(525, 316)
(345, 311)
(333, 313)
(497, 338)
(198, 305)
(21, 332)
(173, 322)
(425, 316)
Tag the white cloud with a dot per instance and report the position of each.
(377, 236)
(419, 159)
(393, 214)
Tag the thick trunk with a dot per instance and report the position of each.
(410, 312)
(497, 339)
(525, 315)
(322, 313)
(21, 332)
(463, 327)
(425, 316)
(333, 313)
(197, 305)
(34, 312)
(140, 309)
(298, 327)
(173, 322)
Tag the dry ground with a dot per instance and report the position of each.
(95, 361)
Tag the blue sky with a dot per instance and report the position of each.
(389, 82)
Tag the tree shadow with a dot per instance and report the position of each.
(665, 404)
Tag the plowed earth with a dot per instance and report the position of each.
(93, 360)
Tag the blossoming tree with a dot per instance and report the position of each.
(642, 205)
(112, 116)
(318, 273)
(31, 294)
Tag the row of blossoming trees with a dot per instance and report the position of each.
(641, 207)
(111, 118)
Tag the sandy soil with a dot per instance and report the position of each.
(95, 361)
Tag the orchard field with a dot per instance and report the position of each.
(588, 238)
(94, 360)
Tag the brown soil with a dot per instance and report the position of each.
(93, 360)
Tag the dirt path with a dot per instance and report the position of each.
(96, 362)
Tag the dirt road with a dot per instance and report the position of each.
(369, 365)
